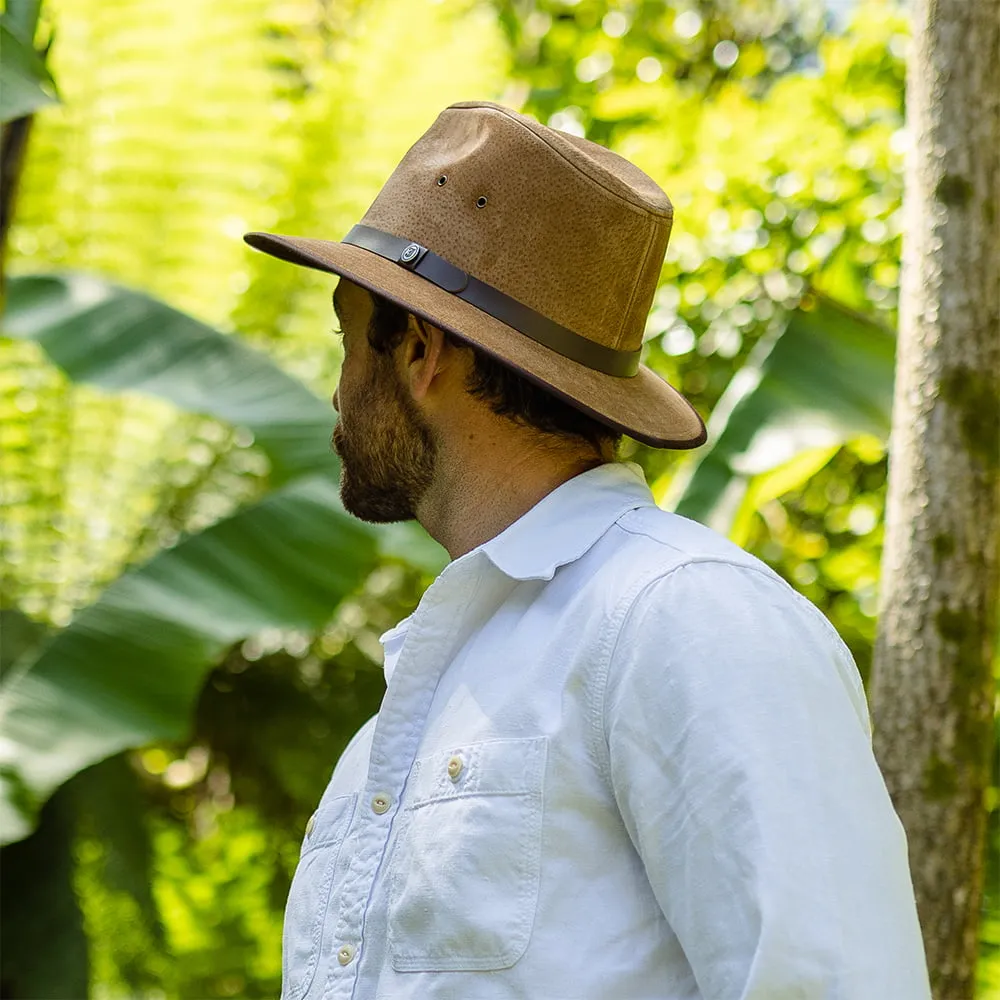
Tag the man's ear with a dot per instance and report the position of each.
(424, 355)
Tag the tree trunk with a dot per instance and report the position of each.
(932, 690)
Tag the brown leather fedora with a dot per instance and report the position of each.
(540, 248)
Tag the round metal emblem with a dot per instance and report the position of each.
(410, 252)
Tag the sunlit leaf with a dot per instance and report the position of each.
(769, 485)
(22, 16)
(111, 803)
(20, 638)
(827, 378)
(105, 335)
(127, 669)
(25, 83)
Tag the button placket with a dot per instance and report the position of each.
(431, 642)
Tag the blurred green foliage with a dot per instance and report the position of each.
(778, 138)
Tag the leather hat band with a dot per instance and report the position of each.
(438, 271)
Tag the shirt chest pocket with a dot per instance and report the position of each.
(463, 881)
(309, 895)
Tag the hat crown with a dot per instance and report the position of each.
(558, 223)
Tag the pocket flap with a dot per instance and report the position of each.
(496, 767)
(329, 822)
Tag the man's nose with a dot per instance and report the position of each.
(336, 400)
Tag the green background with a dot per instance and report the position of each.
(190, 622)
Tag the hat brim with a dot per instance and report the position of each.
(643, 406)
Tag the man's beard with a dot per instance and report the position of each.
(387, 455)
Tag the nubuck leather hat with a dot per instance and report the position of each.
(540, 248)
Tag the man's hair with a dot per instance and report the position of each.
(507, 393)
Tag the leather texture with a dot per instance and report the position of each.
(561, 225)
(491, 300)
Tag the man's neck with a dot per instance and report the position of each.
(484, 485)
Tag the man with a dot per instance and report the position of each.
(618, 757)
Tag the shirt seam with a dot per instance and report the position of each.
(616, 623)
(628, 605)
(607, 645)
(763, 571)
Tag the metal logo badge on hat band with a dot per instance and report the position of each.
(417, 258)
(410, 253)
(542, 249)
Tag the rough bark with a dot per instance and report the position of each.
(932, 690)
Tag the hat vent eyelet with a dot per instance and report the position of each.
(481, 201)
(442, 180)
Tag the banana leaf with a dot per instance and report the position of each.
(118, 339)
(25, 83)
(823, 380)
(127, 669)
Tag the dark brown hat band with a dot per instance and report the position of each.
(501, 306)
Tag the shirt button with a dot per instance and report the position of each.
(310, 824)
(455, 766)
(345, 954)
(381, 803)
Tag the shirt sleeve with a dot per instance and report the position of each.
(740, 757)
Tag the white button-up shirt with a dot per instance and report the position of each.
(618, 758)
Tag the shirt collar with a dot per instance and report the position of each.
(559, 529)
(567, 522)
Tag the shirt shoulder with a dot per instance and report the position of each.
(657, 542)
(692, 579)
(701, 597)
(649, 555)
